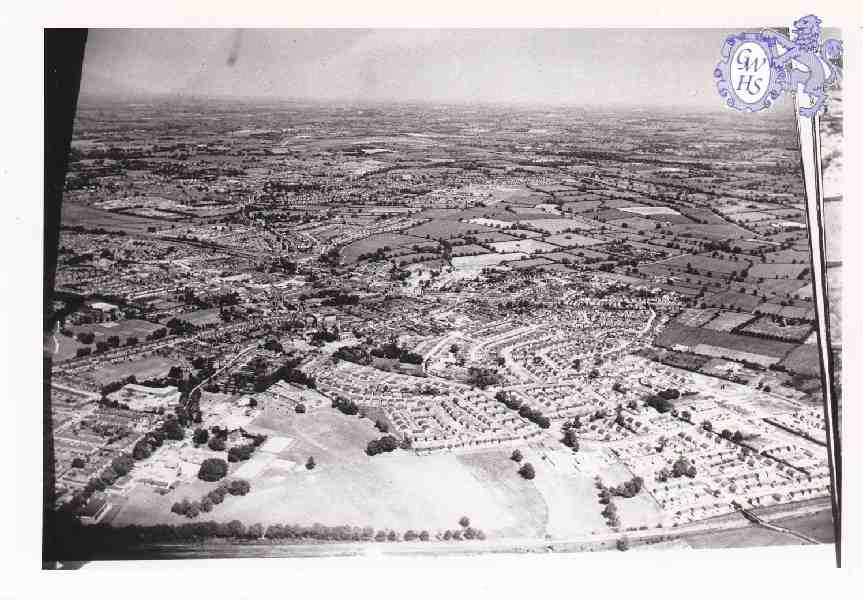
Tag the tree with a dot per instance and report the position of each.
(373, 447)
(570, 439)
(122, 464)
(424, 535)
(410, 535)
(194, 510)
(623, 544)
(310, 464)
(213, 469)
(516, 455)
(180, 508)
(216, 443)
(239, 487)
(464, 522)
(206, 504)
(200, 436)
(392, 536)
(236, 529)
(77, 462)
(108, 476)
(256, 531)
(527, 471)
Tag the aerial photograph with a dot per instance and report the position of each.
(433, 292)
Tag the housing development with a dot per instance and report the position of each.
(437, 326)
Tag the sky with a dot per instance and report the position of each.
(643, 67)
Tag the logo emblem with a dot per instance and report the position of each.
(757, 67)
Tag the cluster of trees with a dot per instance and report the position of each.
(120, 466)
(610, 514)
(386, 443)
(570, 439)
(661, 400)
(322, 335)
(627, 489)
(736, 436)
(170, 429)
(200, 436)
(354, 354)
(237, 487)
(85, 337)
(158, 334)
(468, 533)
(348, 407)
(213, 469)
(245, 451)
(524, 410)
(527, 471)
(392, 351)
(482, 377)
(290, 373)
(682, 466)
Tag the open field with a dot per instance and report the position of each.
(557, 225)
(778, 271)
(727, 320)
(142, 369)
(438, 229)
(93, 218)
(371, 244)
(485, 260)
(529, 246)
(675, 334)
(122, 329)
(398, 490)
(650, 210)
(572, 240)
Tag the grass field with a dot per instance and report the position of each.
(122, 329)
(557, 225)
(142, 369)
(572, 240)
(675, 334)
(528, 246)
(440, 229)
(485, 260)
(397, 490)
(92, 218)
(371, 244)
(650, 210)
(727, 320)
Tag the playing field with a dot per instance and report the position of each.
(399, 490)
(142, 369)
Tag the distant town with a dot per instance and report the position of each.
(435, 327)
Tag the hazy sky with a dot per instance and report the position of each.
(586, 66)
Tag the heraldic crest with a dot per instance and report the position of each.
(757, 67)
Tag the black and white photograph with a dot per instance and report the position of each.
(411, 292)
